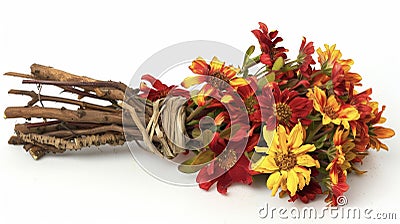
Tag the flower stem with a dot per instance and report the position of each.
(197, 111)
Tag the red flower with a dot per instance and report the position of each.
(268, 41)
(338, 189)
(248, 97)
(238, 173)
(305, 56)
(159, 90)
(308, 193)
(217, 74)
(284, 107)
(227, 169)
(360, 102)
(338, 80)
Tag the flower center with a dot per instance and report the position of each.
(250, 102)
(283, 112)
(219, 80)
(227, 159)
(285, 161)
(330, 111)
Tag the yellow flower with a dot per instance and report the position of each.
(331, 55)
(328, 58)
(331, 109)
(287, 160)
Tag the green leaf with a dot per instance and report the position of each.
(271, 77)
(249, 52)
(195, 163)
(262, 82)
(320, 142)
(192, 122)
(278, 64)
(329, 84)
(316, 117)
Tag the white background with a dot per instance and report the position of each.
(109, 40)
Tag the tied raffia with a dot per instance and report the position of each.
(160, 124)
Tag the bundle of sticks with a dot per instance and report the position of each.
(60, 128)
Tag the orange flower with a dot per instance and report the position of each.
(328, 58)
(216, 74)
(339, 138)
(331, 109)
(378, 132)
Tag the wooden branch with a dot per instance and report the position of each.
(82, 104)
(89, 116)
(15, 140)
(93, 131)
(40, 72)
(82, 94)
(49, 126)
(20, 75)
(73, 144)
(94, 84)
(35, 151)
(90, 125)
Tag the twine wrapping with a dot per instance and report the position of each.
(166, 125)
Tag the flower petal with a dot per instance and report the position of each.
(382, 132)
(230, 71)
(237, 82)
(282, 139)
(265, 165)
(302, 182)
(199, 66)
(273, 182)
(326, 119)
(216, 65)
(223, 183)
(292, 182)
(332, 102)
(306, 173)
(304, 149)
(193, 80)
(226, 99)
(296, 136)
(348, 113)
(306, 160)
(268, 135)
(319, 98)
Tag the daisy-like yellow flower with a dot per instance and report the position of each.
(287, 160)
(331, 55)
(331, 109)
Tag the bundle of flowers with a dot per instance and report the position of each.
(299, 122)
